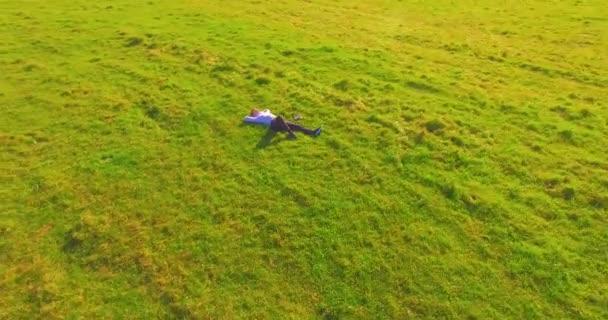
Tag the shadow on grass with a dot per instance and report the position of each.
(267, 140)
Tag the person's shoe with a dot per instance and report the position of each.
(317, 132)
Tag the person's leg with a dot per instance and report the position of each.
(300, 128)
(279, 124)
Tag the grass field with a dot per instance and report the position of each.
(462, 171)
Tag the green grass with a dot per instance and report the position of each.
(462, 170)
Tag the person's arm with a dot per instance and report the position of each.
(250, 119)
(266, 111)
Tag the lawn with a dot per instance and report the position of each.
(461, 173)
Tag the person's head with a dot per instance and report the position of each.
(254, 112)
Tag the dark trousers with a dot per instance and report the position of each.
(279, 124)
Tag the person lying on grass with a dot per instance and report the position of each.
(278, 124)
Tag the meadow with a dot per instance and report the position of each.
(461, 173)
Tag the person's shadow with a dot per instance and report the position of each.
(267, 140)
